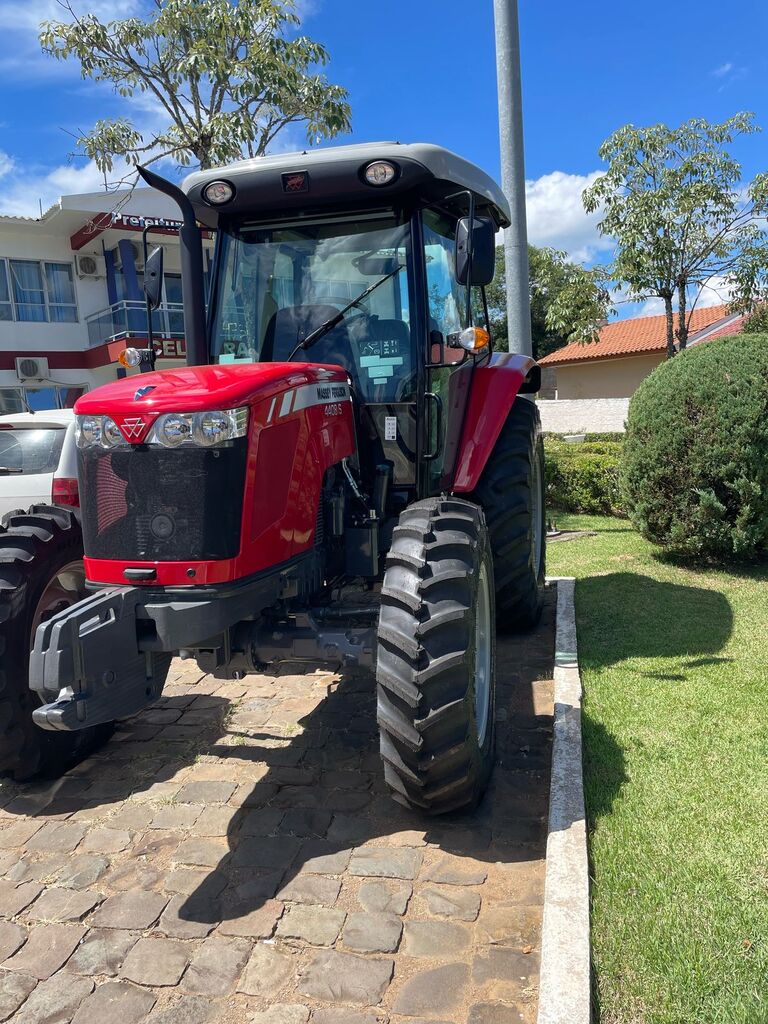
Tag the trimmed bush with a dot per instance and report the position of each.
(606, 435)
(695, 467)
(583, 477)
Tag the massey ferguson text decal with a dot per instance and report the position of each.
(330, 395)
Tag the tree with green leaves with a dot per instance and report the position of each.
(674, 201)
(568, 301)
(226, 76)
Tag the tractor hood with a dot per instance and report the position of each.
(197, 388)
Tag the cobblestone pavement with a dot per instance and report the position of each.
(232, 855)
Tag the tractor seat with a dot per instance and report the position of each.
(287, 325)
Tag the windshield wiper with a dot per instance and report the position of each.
(324, 328)
(8, 469)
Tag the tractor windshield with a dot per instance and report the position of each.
(280, 283)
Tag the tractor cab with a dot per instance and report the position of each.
(358, 256)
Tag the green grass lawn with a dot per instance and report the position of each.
(673, 662)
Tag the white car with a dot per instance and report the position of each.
(38, 463)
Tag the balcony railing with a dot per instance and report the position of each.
(128, 319)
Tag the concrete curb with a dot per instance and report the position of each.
(564, 981)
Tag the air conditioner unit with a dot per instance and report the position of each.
(89, 266)
(28, 368)
(138, 256)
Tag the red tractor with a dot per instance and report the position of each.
(343, 476)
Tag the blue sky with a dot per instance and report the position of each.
(424, 69)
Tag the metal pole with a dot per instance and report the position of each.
(513, 173)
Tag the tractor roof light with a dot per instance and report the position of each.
(380, 173)
(216, 193)
(130, 358)
(474, 339)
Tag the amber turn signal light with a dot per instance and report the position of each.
(474, 339)
(129, 358)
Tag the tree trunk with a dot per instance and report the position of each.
(682, 326)
(670, 326)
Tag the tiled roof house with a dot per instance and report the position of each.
(626, 352)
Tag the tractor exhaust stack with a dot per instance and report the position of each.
(191, 245)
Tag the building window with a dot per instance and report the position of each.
(40, 292)
(6, 309)
(62, 304)
(24, 399)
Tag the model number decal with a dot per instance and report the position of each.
(332, 396)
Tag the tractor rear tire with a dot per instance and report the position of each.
(436, 658)
(511, 493)
(41, 554)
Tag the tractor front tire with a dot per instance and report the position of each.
(41, 572)
(511, 493)
(436, 659)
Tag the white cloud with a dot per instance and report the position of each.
(718, 290)
(26, 16)
(556, 215)
(650, 307)
(6, 164)
(728, 73)
(23, 195)
(715, 293)
(21, 24)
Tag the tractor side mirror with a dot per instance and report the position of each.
(482, 246)
(153, 278)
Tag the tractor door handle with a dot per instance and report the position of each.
(431, 456)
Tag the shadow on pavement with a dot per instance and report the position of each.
(323, 796)
(317, 790)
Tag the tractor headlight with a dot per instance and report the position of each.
(210, 428)
(97, 432)
(380, 172)
(88, 431)
(218, 192)
(173, 429)
(110, 433)
(205, 429)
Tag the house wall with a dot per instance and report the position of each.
(605, 378)
(583, 415)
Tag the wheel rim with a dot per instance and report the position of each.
(64, 589)
(537, 504)
(483, 656)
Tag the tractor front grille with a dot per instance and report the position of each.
(163, 505)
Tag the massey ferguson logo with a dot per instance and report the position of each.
(296, 182)
(133, 428)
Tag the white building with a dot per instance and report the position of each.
(71, 297)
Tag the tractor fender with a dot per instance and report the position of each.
(495, 386)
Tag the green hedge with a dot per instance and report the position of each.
(583, 477)
(695, 466)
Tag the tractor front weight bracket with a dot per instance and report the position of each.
(88, 658)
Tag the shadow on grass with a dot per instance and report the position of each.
(628, 615)
(753, 569)
(604, 769)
